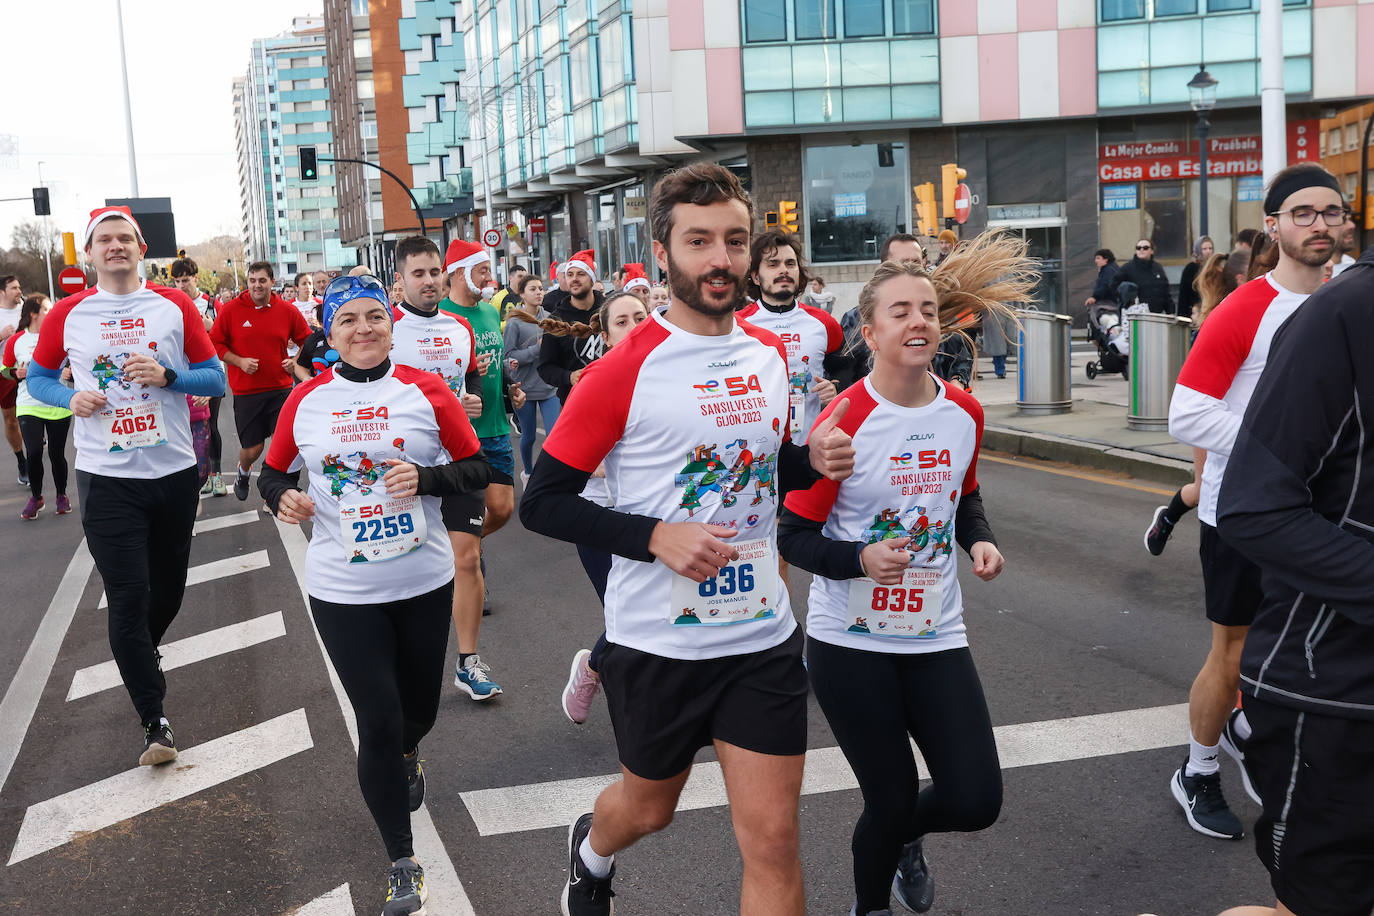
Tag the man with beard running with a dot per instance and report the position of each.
(689, 416)
(813, 339)
(1303, 210)
(562, 359)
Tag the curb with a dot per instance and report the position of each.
(1142, 465)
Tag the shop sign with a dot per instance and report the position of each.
(851, 205)
(1121, 197)
(1171, 160)
(1302, 141)
(1250, 188)
(636, 207)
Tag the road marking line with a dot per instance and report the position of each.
(225, 521)
(102, 804)
(338, 902)
(217, 569)
(555, 804)
(447, 894)
(184, 652)
(1077, 475)
(21, 698)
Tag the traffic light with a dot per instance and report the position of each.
(310, 169)
(69, 249)
(926, 219)
(950, 176)
(770, 219)
(40, 202)
(787, 215)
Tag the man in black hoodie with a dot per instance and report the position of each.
(1148, 276)
(562, 358)
(1297, 501)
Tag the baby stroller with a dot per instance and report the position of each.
(1109, 332)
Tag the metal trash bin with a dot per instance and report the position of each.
(1159, 344)
(1043, 367)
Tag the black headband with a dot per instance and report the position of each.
(1296, 180)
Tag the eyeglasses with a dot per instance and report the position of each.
(347, 284)
(1307, 216)
(1144, 247)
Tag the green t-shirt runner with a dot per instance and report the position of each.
(486, 328)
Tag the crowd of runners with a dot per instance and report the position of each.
(702, 437)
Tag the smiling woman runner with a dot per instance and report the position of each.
(885, 614)
(383, 443)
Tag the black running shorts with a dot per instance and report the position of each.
(663, 710)
(1231, 582)
(464, 512)
(1316, 835)
(255, 415)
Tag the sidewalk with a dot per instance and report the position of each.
(1093, 434)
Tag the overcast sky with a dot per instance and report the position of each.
(63, 105)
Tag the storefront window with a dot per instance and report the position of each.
(853, 203)
(1168, 211)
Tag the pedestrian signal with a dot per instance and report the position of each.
(310, 169)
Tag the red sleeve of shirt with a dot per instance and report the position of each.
(1226, 338)
(975, 410)
(198, 345)
(599, 405)
(8, 359)
(749, 310)
(52, 346)
(834, 336)
(455, 429)
(281, 454)
(816, 501)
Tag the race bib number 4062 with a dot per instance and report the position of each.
(910, 610)
(744, 590)
(136, 426)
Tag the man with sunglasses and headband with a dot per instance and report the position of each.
(1304, 213)
(251, 333)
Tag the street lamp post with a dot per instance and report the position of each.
(1202, 95)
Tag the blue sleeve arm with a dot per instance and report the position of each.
(46, 385)
(201, 380)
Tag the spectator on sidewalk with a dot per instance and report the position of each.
(818, 296)
(1104, 290)
(1188, 296)
(1148, 276)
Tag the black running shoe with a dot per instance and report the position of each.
(1203, 804)
(1157, 535)
(405, 890)
(415, 780)
(159, 746)
(241, 486)
(1234, 745)
(913, 886)
(585, 894)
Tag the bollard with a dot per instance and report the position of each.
(1043, 368)
(1159, 344)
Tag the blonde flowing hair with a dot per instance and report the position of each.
(984, 277)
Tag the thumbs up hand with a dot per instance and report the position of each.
(831, 448)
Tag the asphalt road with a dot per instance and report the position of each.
(263, 815)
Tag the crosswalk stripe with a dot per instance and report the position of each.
(206, 525)
(217, 569)
(555, 804)
(94, 807)
(184, 652)
(338, 902)
(446, 892)
(25, 690)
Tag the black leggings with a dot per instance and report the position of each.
(390, 658)
(35, 430)
(873, 701)
(216, 451)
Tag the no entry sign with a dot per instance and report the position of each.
(71, 280)
(963, 203)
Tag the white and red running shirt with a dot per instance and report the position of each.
(914, 464)
(440, 343)
(343, 432)
(19, 348)
(808, 334)
(99, 330)
(689, 427)
(1220, 374)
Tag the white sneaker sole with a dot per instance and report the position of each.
(569, 689)
(424, 898)
(1154, 521)
(1239, 758)
(458, 682)
(157, 754)
(1180, 796)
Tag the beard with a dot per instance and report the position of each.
(687, 289)
(1303, 254)
(780, 295)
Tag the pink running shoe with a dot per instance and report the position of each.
(583, 686)
(31, 510)
(63, 504)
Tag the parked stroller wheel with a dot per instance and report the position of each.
(1091, 369)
